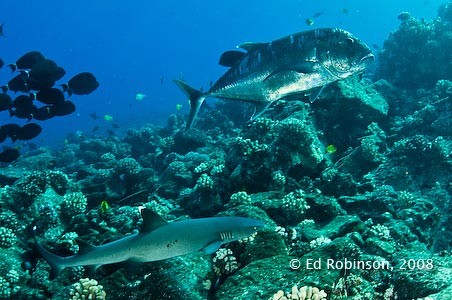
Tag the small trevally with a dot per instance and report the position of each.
(291, 67)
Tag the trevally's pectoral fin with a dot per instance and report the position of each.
(196, 99)
(259, 109)
(305, 67)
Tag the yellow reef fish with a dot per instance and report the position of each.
(330, 149)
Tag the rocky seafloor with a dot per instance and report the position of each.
(367, 218)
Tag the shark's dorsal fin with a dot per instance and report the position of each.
(250, 46)
(151, 220)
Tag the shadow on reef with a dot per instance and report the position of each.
(38, 100)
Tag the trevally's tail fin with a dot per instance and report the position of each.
(56, 262)
(196, 99)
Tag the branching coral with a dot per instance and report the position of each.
(304, 293)
(87, 289)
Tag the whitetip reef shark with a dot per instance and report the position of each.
(157, 240)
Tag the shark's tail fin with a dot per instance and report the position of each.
(196, 99)
(56, 262)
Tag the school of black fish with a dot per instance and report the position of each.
(34, 78)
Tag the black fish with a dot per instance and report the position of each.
(43, 75)
(23, 102)
(1, 30)
(6, 103)
(24, 114)
(114, 125)
(43, 113)
(3, 136)
(11, 131)
(81, 84)
(29, 131)
(94, 116)
(9, 155)
(26, 61)
(23, 107)
(318, 14)
(2, 63)
(62, 109)
(18, 83)
(50, 96)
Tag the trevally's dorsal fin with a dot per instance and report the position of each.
(151, 220)
(229, 58)
(250, 46)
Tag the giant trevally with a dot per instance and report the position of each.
(291, 67)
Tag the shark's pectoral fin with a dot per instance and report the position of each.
(212, 247)
(259, 109)
(84, 248)
(315, 92)
(92, 269)
(132, 265)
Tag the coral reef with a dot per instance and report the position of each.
(87, 289)
(354, 190)
(304, 293)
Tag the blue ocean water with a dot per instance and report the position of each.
(140, 46)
